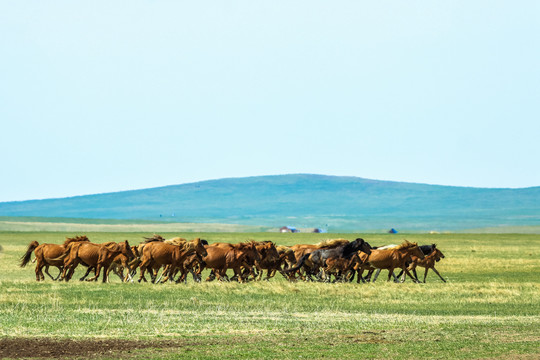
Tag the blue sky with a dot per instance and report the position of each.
(113, 95)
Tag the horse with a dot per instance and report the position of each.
(428, 262)
(107, 253)
(121, 262)
(223, 256)
(394, 258)
(94, 255)
(158, 253)
(268, 258)
(192, 264)
(46, 255)
(300, 250)
(317, 258)
(340, 267)
(426, 250)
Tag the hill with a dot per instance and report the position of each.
(302, 200)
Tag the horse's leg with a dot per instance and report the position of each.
(47, 272)
(144, 264)
(404, 267)
(238, 273)
(390, 273)
(90, 268)
(376, 275)
(436, 272)
(60, 268)
(425, 273)
(211, 276)
(39, 265)
(71, 267)
(98, 271)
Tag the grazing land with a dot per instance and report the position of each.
(488, 309)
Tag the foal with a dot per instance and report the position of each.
(428, 262)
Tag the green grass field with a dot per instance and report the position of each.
(489, 309)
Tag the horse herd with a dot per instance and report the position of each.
(337, 260)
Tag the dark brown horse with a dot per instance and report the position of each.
(268, 258)
(47, 255)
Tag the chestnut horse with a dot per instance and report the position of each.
(157, 254)
(394, 258)
(46, 255)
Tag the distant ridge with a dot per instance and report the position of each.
(336, 203)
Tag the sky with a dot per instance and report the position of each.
(103, 96)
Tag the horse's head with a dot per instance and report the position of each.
(252, 252)
(269, 252)
(199, 247)
(126, 250)
(438, 254)
(362, 245)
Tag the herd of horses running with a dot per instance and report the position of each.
(337, 260)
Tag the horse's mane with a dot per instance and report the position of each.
(111, 245)
(75, 239)
(405, 245)
(283, 249)
(331, 243)
(244, 245)
(154, 237)
(186, 246)
(175, 241)
(263, 242)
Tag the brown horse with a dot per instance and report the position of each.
(158, 254)
(99, 256)
(192, 264)
(268, 258)
(46, 255)
(394, 258)
(428, 262)
(121, 262)
(223, 256)
(340, 267)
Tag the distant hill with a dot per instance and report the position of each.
(335, 203)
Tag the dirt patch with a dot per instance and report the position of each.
(17, 348)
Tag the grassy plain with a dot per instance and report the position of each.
(490, 307)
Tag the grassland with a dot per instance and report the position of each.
(490, 307)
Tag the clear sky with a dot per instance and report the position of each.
(102, 96)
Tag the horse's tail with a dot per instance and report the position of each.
(299, 264)
(26, 257)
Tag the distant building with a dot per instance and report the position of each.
(290, 229)
(392, 231)
(319, 230)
